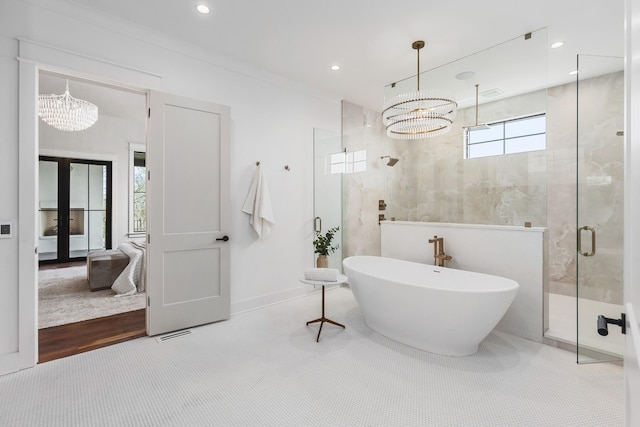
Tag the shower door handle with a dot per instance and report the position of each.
(317, 224)
(593, 241)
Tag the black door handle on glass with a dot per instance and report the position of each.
(224, 238)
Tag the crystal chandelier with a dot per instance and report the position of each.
(65, 112)
(418, 114)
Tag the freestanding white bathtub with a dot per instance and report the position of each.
(436, 309)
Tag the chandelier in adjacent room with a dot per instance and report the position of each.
(418, 114)
(65, 112)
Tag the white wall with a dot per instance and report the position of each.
(517, 253)
(272, 121)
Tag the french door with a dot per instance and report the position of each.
(74, 208)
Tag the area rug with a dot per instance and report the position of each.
(64, 297)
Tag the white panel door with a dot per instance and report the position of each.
(188, 213)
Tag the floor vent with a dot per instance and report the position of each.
(174, 335)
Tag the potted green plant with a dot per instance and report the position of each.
(323, 247)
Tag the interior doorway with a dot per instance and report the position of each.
(85, 195)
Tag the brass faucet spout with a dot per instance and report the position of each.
(437, 241)
(438, 251)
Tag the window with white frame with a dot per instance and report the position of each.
(344, 162)
(137, 189)
(517, 135)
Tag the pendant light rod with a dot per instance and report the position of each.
(417, 45)
(477, 126)
(477, 85)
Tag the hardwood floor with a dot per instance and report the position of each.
(66, 340)
(73, 338)
(62, 265)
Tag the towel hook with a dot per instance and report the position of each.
(258, 163)
(286, 167)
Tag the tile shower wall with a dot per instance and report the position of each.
(433, 182)
(602, 162)
(362, 130)
(601, 180)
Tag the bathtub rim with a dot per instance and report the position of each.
(514, 284)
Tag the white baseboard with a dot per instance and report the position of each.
(238, 307)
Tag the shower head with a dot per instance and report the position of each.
(477, 127)
(391, 161)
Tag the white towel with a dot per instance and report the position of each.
(321, 274)
(258, 205)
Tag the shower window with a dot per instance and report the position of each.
(511, 136)
(344, 162)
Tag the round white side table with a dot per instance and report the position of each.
(341, 278)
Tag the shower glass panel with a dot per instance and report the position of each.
(327, 188)
(600, 185)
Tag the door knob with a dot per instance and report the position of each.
(224, 238)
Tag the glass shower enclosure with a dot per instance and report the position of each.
(600, 190)
(327, 188)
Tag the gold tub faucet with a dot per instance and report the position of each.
(439, 256)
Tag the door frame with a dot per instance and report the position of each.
(26, 354)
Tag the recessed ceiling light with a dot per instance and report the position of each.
(573, 73)
(335, 67)
(557, 44)
(203, 9)
(465, 75)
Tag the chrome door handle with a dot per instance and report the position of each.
(593, 241)
(317, 224)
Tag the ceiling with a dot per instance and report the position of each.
(369, 39)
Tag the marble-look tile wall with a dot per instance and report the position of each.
(598, 202)
(362, 130)
(433, 182)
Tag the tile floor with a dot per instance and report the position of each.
(264, 368)
(562, 324)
